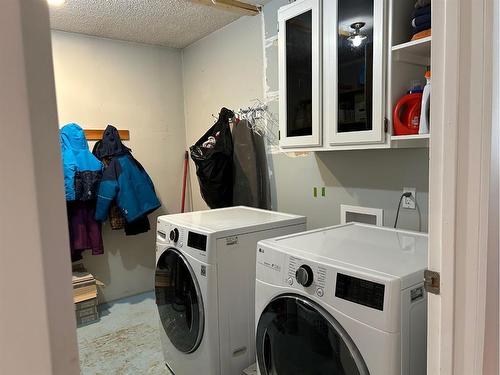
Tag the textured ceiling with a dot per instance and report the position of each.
(170, 23)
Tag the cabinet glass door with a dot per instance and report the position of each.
(354, 75)
(299, 52)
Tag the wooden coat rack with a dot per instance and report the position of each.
(96, 134)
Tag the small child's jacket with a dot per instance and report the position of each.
(125, 180)
(82, 170)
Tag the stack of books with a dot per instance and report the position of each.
(85, 297)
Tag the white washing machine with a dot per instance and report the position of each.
(345, 300)
(205, 286)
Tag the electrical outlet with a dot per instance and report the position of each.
(410, 202)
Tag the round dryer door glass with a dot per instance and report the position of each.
(296, 336)
(179, 301)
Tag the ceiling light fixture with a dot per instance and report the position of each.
(56, 3)
(356, 37)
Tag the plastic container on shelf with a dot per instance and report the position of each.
(424, 124)
(406, 116)
(416, 87)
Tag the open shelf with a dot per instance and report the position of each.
(410, 141)
(416, 52)
(409, 137)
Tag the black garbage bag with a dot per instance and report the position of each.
(213, 157)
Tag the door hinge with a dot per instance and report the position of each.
(432, 282)
(386, 124)
(279, 135)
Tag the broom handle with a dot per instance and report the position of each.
(184, 178)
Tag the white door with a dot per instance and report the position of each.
(300, 74)
(354, 73)
(462, 47)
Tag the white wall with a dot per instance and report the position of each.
(228, 67)
(223, 69)
(135, 87)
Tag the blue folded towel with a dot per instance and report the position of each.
(422, 27)
(420, 20)
(421, 11)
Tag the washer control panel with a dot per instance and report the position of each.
(174, 235)
(304, 274)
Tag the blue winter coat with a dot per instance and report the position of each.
(125, 180)
(82, 170)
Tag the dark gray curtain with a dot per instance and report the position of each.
(251, 177)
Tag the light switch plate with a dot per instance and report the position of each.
(410, 202)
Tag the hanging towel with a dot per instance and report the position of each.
(421, 20)
(82, 170)
(251, 177)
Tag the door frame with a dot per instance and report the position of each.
(459, 175)
(38, 329)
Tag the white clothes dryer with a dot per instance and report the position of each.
(345, 300)
(205, 286)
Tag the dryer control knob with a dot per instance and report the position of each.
(304, 275)
(174, 235)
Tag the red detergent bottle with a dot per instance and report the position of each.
(406, 116)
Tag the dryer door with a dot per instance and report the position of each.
(179, 301)
(296, 336)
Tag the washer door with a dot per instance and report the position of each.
(296, 336)
(179, 301)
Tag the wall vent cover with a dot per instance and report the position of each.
(358, 214)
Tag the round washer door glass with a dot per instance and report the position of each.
(179, 301)
(296, 336)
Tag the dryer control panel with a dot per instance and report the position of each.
(170, 234)
(191, 241)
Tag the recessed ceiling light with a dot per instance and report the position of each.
(56, 3)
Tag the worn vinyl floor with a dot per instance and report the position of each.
(124, 341)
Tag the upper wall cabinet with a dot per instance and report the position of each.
(332, 56)
(354, 73)
(300, 74)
